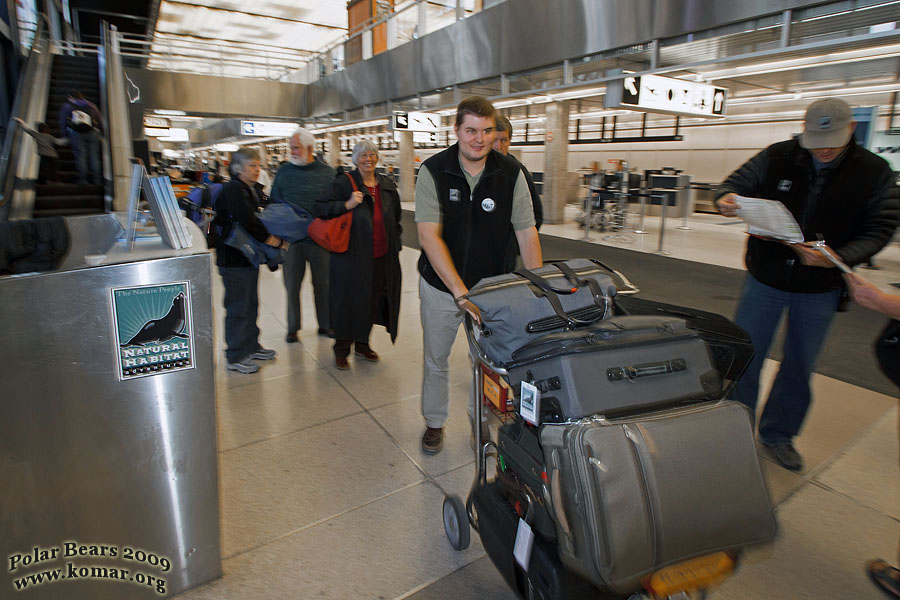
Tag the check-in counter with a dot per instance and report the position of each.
(108, 451)
(674, 190)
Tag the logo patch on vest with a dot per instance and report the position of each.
(784, 185)
(488, 205)
(454, 195)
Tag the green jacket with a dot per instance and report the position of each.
(302, 186)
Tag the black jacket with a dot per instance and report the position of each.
(853, 205)
(351, 271)
(237, 203)
(475, 224)
(512, 248)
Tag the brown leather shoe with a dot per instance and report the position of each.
(368, 354)
(433, 440)
(341, 363)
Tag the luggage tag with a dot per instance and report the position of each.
(523, 545)
(530, 403)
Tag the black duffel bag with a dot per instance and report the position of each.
(518, 307)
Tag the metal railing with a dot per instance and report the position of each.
(118, 149)
(244, 59)
(19, 156)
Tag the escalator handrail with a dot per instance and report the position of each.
(22, 99)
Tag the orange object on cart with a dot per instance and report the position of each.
(495, 391)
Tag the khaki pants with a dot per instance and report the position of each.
(441, 318)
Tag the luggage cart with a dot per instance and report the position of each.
(461, 516)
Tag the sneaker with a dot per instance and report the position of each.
(886, 577)
(263, 354)
(433, 440)
(291, 338)
(785, 455)
(244, 366)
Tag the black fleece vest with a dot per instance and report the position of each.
(835, 210)
(475, 224)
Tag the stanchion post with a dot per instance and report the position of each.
(687, 205)
(662, 226)
(587, 214)
(640, 229)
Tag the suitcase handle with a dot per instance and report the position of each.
(633, 372)
(569, 274)
(551, 293)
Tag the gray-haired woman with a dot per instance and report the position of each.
(365, 280)
(237, 203)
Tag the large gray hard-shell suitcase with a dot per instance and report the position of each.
(624, 363)
(518, 307)
(636, 495)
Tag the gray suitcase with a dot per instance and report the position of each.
(519, 307)
(630, 497)
(624, 363)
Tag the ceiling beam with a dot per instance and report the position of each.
(174, 37)
(240, 12)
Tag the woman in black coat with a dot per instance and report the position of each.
(365, 280)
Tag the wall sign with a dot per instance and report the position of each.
(268, 128)
(153, 329)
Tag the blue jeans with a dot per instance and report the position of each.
(86, 148)
(809, 318)
(241, 308)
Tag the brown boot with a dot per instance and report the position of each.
(366, 352)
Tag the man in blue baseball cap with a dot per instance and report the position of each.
(839, 193)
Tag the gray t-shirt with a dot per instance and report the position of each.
(428, 209)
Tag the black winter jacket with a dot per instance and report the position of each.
(475, 224)
(350, 286)
(237, 203)
(854, 205)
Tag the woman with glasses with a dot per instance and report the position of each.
(365, 280)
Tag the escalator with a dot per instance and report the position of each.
(54, 69)
(69, 74)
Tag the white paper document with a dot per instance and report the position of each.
(769, 218)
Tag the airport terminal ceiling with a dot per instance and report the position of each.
(847, 47)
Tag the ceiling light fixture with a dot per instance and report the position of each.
(834, 58)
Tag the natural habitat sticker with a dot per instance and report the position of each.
(153, 329)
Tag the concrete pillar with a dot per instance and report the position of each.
(556, 161)
(334, 149)
(407, 167)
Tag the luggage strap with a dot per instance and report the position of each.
(552, 293)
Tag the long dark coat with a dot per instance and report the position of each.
(351, 271)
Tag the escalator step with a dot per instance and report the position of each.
(66, 212)
(51, 190)
(68, 202)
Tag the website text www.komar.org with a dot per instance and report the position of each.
(70, 561)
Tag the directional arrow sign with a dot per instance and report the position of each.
(652, 93)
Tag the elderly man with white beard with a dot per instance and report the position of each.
(300, 181)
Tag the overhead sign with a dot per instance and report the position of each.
(268, 128)
(419, 137)
(652, 93)
(416, 121)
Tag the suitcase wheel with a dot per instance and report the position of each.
(456, 522)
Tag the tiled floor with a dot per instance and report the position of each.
(326, 494)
